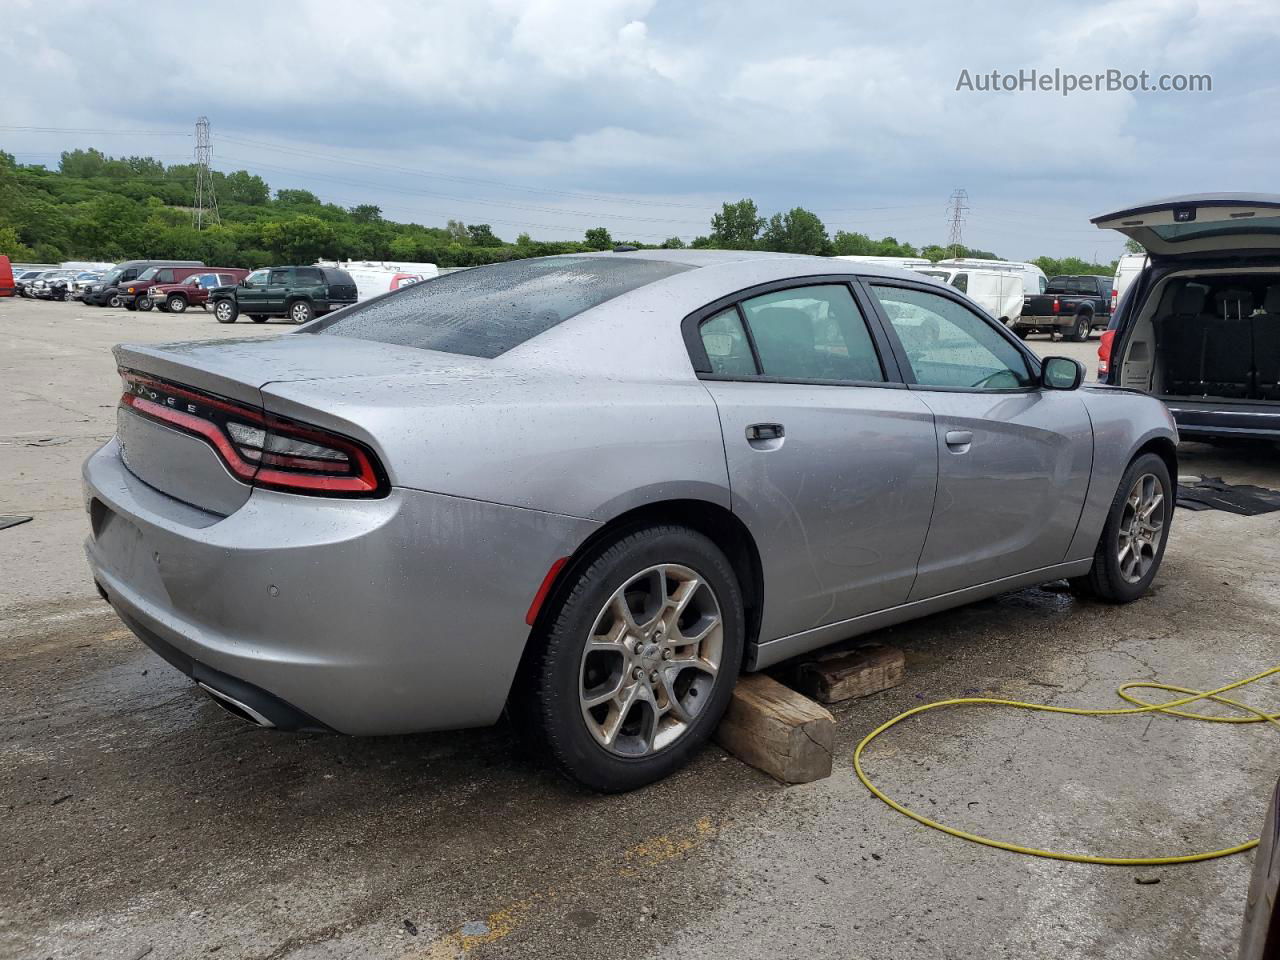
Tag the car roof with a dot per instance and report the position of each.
(749, 261)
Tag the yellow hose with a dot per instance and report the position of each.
(1257, 716)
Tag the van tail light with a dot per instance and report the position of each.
(1104, 351)
(1115, 298)
(259, 448)
(1057, 305)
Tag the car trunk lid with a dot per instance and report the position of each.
(1198, 225)
(179, 401)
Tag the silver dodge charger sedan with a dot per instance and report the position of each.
(593, 489)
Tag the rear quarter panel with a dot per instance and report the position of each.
(583, 447)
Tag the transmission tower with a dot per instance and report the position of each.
(957, 207)
(206, 203)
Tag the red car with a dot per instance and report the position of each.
(6, 277)
(194, 290)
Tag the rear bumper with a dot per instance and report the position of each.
(368, 616)
(1247, 421)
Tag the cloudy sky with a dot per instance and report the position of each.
(550, 116)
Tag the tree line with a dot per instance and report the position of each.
(96, 207)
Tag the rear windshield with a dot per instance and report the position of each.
(1181, 232)
(1072, 285)
(486, 311)
(337, 276)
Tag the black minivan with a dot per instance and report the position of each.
(1200, 326)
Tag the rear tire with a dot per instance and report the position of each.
(177, 304)
(114, 301)
(1080, 332)
(660, 695)
(226, 311)
(300, 312)
(1131, 548)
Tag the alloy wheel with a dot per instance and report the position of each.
(223, 311)
(301, 313)
(651, 660)
(1141, 528)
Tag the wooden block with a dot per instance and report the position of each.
(777, 730)
(852, 673)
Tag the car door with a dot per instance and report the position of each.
(832, 462)
(1014, 460)
(251, 295)
(279, 284)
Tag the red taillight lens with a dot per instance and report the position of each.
(1104, 350)
(260, 448)
(1057, 307)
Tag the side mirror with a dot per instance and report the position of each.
(245, 282)
(1061, 373)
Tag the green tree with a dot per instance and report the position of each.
(240, 187)
(672, 243)
(736, 226)
(303, 239)
(366, 213)
(297, 198)
(13, 248)
(797, 231)
(458, 232)
(482, 235)
(597, 238)
(1133, 246)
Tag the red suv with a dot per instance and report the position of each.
(194, 291)
(136, 294)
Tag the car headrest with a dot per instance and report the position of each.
(1233, 304)
(1189, 301)
(1271, 302)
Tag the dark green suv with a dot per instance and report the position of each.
(299, 293)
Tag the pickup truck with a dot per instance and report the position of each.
(1071, 306)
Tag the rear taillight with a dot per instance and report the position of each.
(1115, 296)
(1104, 351)
(1057, 306)
(260, 448)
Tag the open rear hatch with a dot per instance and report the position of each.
(193, 422)
(1201, 225)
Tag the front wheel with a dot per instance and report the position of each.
(226, 311)
(635, 665)
(144, 304)
(1134, 537)
(177, 304)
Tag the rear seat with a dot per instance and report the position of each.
(1181, 336)
(1228, 346)
(1266, 346)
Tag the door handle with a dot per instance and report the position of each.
(765, 436)
(958, 440)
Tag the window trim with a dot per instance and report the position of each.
(904, 362)
(691, 324)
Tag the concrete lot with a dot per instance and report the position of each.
(138, 819)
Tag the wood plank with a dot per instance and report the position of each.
(777, 730)
(846, 674)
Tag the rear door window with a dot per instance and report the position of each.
(307, 275)
(812, 333)
(725, 340)
(486, 311)
(278, 277)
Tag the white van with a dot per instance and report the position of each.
(1033, 279)
(905, 263)
(374, 277)
(999, 292)
(1127, 269)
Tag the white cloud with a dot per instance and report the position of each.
(825, 106)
